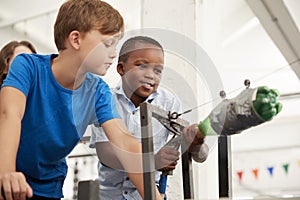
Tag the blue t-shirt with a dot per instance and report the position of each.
(55, 119)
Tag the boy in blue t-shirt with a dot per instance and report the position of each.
(47, 101)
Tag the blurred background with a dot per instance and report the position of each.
(234, 40)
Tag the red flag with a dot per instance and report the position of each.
(240, 175)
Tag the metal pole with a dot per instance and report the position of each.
(147, 149)
(223, 166)
(147, 111)
(230, 189)
(187, 176)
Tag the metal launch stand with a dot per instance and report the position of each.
(146, 113)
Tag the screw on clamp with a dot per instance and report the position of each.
(222, 94)
(247, 83)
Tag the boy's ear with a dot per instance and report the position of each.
(120, 68)
(74, 39)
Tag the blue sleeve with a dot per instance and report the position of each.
(20, 73)
(106, 107)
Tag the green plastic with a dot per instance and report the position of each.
(265, 104)
(205, 127)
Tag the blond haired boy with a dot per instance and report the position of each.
(47, 101)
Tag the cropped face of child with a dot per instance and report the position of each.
(101, 51)
(142, 71)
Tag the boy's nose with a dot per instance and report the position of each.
(149, 74)
(113, 53)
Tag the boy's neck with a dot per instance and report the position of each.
(136, 100)
(67, 72)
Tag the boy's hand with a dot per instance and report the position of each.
(193, 135)
(14, 186)
(195, 140)
(166, 159)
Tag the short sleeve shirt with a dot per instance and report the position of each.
(55, 119)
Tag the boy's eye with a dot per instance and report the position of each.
(157, 71)
(142, 66)
(108, 44)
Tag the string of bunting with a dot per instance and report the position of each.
(270, 170)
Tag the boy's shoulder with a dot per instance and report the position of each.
(93, 79)
(35, 57)
(31, 61)
(165, 93)
(166, 99)
(165, 96)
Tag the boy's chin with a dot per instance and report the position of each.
(145, 94)
(102, 73)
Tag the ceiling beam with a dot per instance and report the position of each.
(279, 24)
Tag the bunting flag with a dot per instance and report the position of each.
(286, 168)
(270, 170)
(240, 175)
(255, 173)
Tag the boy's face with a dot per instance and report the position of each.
(141, 73)
(100, 51)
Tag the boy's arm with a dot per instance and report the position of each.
(128, 151)
(107, 156)
(12, 106)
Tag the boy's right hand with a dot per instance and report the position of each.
(166, 159)
(14, 186)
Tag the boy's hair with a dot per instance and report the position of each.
(83, 16)
(8, 51)
(130, 45)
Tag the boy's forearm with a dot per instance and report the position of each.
(133, 166)
(12, 107)
(137, 179)
(129, 151)
(9, 141)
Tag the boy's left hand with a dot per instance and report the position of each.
(192, 135)
(166, 159)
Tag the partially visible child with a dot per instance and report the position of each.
(140, 65)
(9, 52)
(47, 102)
